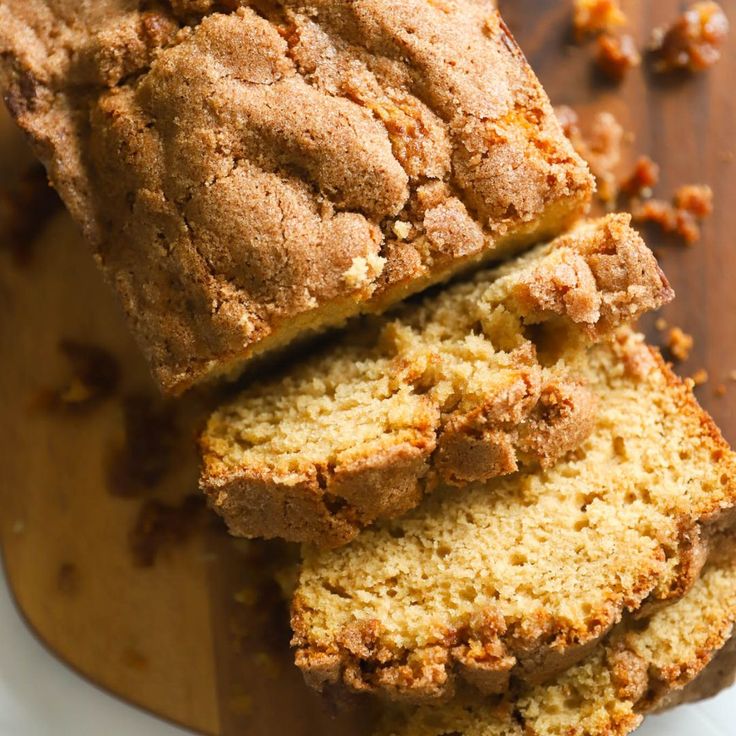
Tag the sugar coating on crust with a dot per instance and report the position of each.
(475, 382)
(521, 576)
(246, 174)
(633, 673)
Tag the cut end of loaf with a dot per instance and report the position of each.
(474, 383)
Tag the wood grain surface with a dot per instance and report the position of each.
(120, 572)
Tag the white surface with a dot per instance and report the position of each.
(41, 697)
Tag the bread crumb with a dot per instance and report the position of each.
(402, 229)
(617, 55)
(661, 324)
(601, 148)
(691, 204)
(693, 41)
(700, 377)
(680, 344)
(26, 207)
(160, 526)
(364, 271)
(695, 198)
(732, 376)
(148, 450)
(597, 16)
(94, 378)
(720, 390)
(642, 179)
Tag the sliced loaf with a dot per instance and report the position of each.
(467, 386)
(523, 575)
(636, 671)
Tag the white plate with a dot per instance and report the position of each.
(39, 696)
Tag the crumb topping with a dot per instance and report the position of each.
(679, 344)
(642, 179)
(691, 204)
(616, 55)
(596, 16)
(693, 41)
(600, 147)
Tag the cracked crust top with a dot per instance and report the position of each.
(475, 382)
(246, 174)
(522, 576)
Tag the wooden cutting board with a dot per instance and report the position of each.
(110, 556)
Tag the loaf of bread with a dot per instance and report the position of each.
(631, 674)
(464, 387)
(523, 575)
(247, 173)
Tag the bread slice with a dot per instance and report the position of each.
(250, 172)
(461, 388)
(719, 675)
(521, 576)
(633, 673)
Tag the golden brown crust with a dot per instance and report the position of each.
(535, 644)
(328, 510)
(247, 175)
(681, 654)
(504, 408)
(717, 676)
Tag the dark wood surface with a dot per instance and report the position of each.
(687, 124)
(200, 636)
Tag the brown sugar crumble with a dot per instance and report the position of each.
(95, 375)
(616, 55)
(642, 179)
(160, 525)
(680, 344)
(690, 205)
(693, 41)
(597, 16)
(147, 452)
(25, 208)
(696, 199)
(700, 377)
(600, 147)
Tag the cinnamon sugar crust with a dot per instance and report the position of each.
(472, 384)
(247, 173)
